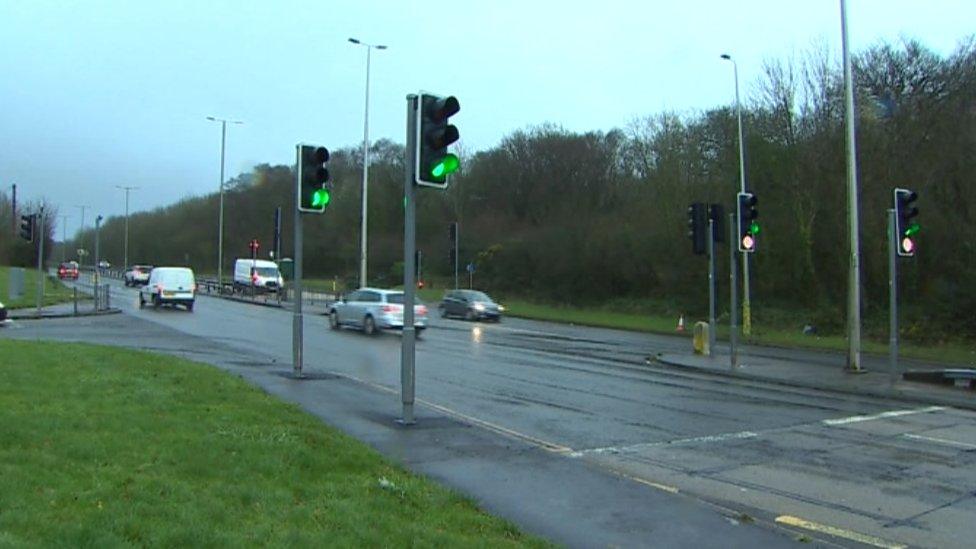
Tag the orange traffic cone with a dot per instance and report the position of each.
(681, 324)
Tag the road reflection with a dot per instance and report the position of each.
(476, 334)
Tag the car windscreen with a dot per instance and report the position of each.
(478, 296)
(267, 272)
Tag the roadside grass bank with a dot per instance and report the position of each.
(772, 327)
(106, 447)
(54, 291)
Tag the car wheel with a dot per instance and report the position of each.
(155, 301)
(189, 307)
(443, 311)
(334, 320)
(369, 325)
(470, 315)
(142, 302)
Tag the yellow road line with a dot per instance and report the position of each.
(838, 532)
(652, 484)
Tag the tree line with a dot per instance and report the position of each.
(600, 217)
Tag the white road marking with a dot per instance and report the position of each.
(882, 415)
(639, 447)
(947, 442)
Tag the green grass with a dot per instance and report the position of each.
(54, 291)
(963, 352)
(103, 447)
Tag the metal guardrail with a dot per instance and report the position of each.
(210, 286)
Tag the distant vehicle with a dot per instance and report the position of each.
(259, 274)
(169, 286)
(3, 313)
(371, 309)
(471, 305)
(68, 271)
(104, 264)
(136, 275)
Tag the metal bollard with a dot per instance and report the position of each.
(76, 299)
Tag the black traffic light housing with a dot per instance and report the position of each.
(434, 134)
(27, 223)
(716, 212)
(698, 227)
(746, 214)
(314, 191)
(905, 226)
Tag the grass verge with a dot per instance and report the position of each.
(961, 352)
(54, 291)
(105, 447)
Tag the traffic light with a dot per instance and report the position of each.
(434, 163)
(314, 190)
(905, 227)
(453, 243)
(747, 214)
(27, 227)
(254, 245)
(697, 227)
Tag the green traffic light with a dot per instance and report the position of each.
(447, 165)
(321, 198)
(912, 229)
(754, 228)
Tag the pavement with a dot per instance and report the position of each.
(85, 307)
(793, 368)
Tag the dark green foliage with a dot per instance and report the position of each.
(587, 218)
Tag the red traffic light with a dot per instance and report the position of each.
(748, 242)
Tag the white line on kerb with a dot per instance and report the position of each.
(882, 415)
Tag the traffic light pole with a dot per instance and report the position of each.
(39, 230)
(408, 342)
(457, 251)
(892, 299)
(733, 294)
(711, 285)
(297, 322)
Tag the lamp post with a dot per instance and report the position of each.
(81, 232)
(854, 266)
(125, 248)
(362, 229)
(746, 309)
(220, 215)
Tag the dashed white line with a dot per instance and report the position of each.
(882, 415)
(944, 441)
(680, 441)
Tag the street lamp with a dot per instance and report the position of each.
(362, 229)
(746, 309)
(125, 253)
(98, 224)
(220, 222)
(81, 233)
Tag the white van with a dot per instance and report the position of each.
(257, 273)
(169, 285)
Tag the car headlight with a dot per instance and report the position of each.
(501, 309)
(479, 306)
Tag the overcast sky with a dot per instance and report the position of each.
(100, 93)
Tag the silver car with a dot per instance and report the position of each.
(372, 309)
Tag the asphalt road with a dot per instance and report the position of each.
(839, 468)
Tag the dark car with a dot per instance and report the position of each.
(3, 314)
(470, 304)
